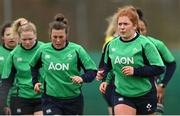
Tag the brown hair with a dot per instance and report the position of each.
(4, 26)
(60, 22)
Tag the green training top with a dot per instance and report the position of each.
(163, 50)
(130, 53)
(18, 63)
(60, 65)
(166, 55)
(4, 52)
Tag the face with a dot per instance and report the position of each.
(126, 29)
(142, 28)
(27, 39)
(58, 38)
(10, 40)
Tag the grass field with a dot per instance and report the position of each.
(95, 104)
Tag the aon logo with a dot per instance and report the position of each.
(124, 60)
(58, 66)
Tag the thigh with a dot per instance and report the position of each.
(123, 105)
(123, 109)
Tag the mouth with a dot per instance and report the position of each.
(58, 44)
(11, 41)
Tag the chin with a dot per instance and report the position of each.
(123, 36)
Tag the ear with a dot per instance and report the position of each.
(135, 27)
(2, 39)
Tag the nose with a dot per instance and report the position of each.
(27, 41)
(122, 26)
(58, 39)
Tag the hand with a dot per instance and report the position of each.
(128, 70)
(99, 75)
(7, 111)
(103, 87)
(37, 87)
(160, 93)
(77, 79)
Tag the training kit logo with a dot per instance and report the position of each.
(1, 58)
(58, 66)
(47, 56)
(124, 60)
(113, 49)
(18, 110)
(135, 50)
(149, 106)
(69, 56)
(19, 59)
(120, 99)
(48, 111)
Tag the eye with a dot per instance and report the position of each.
(8, 34)
(55, 37)
(61, 37)
(30, 38)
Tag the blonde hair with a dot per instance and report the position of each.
(112, 25)
(23, 24)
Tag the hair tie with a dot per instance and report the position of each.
(23, 22)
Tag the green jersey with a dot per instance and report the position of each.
(4, 52)
(138, 52)
(166, 55)
(60, 65)
(167, 58)
(17, 63)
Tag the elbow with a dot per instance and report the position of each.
(174, 63)
(161, 70)
(89, 76)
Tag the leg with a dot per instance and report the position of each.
(110, 110)
(123, 109)
(38, 113)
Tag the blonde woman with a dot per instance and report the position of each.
(17, 74)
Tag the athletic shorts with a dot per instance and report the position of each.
(22, 106)
(56, 106)
(144, 105)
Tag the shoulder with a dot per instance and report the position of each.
(74, 45)
(40, 42)
(113, 41)
(155, 41)
(16, 50)
(1, 46)
(145, 40)
(45, 45)
(108, 39)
